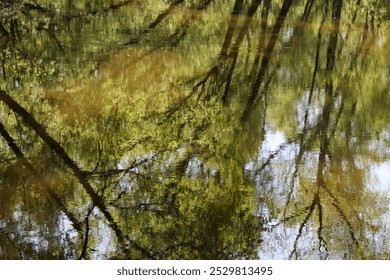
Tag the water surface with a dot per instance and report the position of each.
(206, 129)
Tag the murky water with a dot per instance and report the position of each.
(206, 129)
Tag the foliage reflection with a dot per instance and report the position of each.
(200, 129)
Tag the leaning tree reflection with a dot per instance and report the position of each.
(151, 177)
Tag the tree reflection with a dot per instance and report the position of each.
(148, 136)
(330, 199)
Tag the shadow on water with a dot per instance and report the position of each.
(194, 129)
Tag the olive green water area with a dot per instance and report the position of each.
(194, 129)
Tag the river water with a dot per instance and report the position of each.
(206, 129)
